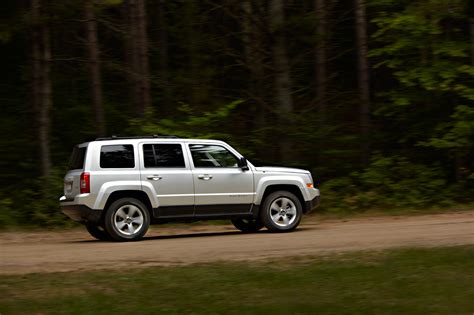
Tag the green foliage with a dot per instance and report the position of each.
(6, 211)
(424, 47)
(36, 204)
(389, 182)
(458, 133)
(190, 124)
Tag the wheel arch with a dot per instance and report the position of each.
(294, 189)
(136, 187)
(136, 194)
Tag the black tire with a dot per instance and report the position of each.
(98, 232)
(293, 212)
(247, 225)
(113, 220)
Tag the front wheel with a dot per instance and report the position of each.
(247, 225)
(127, 219)
(281, 211)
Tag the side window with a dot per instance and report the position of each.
(163, 155)
(205, 155)
(117, 156)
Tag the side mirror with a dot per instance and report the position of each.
(243, 164)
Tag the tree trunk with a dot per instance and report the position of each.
(252, 39)
(471, 24)
(142, 47)
(42, 103)
(36, 55)
(363, 78)
(321, 55)
(163, 54)
(254, 57)
(46, 104)
(134, 68)
(195, 82)
(252, 44)
(283, 97)
(94, 67)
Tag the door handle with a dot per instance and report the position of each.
(205, 177)
(154, 177)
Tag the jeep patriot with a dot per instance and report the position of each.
(117, 187)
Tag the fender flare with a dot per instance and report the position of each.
(266, 182)
(110, 187)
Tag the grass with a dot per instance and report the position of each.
(408, 281)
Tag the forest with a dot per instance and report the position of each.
(375, 97)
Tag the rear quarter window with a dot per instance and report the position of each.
(76, 161)
(117, 156)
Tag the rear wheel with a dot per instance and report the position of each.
(281, 211)
(98, 232)
(127, 219)
(247, 225)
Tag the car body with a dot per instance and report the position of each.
(178, 179)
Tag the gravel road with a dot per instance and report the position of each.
(28, 252)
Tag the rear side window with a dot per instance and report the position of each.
(117, 156)
(163, 155)
(77, 158)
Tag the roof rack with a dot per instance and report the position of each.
(113, 137)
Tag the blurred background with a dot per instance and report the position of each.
(375, 97)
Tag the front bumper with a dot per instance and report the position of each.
(81, 213)
(312, 204)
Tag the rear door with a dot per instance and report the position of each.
(221, 187)
(167, 168)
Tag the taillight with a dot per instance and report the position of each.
(85, 183)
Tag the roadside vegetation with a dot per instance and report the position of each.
(404, 281)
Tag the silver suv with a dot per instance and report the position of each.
(117, 187)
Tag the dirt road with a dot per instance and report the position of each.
(74, 250)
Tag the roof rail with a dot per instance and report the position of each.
(113, 137)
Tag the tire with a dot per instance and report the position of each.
(247, 225)
(127, 219)
(281, 211)
(98, 232)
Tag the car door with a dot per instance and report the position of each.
(220, 186)
(167, 168)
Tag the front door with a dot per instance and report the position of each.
(220, 186)
(166, 167)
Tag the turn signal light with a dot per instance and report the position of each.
(85, 183)
(310, 185)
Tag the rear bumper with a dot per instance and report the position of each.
(81, 213)
(312, 204)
